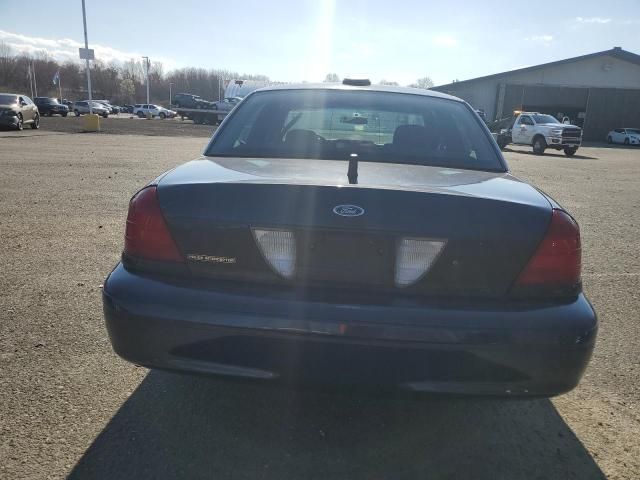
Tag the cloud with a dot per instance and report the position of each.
(444, 40)
(600, 20)
(64, 49)
(545, 39)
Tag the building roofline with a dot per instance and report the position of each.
(616, 52)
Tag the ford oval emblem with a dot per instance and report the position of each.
(348, 210)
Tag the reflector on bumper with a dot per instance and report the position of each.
(414, 258)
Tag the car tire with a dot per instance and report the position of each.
(105, 115)
(140, 114)
(77, 113)
(64, 114)
(570, 152)
(162, 115)
(36, 122)
(539, 145)
(20, 125)
(626, 141)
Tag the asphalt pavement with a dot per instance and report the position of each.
(70, 407)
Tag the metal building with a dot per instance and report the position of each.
(598, 92)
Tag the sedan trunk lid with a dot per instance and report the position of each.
(490, 223)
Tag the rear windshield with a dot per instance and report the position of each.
(368, 125)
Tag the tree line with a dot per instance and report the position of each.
(119, 82)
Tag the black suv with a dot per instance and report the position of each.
(50, 106)
(188, 100)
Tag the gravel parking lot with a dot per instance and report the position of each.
(69, 406)
(122, 124)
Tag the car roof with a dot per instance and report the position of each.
(368, 88)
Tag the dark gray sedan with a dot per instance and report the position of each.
(357, 236)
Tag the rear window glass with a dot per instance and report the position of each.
(369, 125)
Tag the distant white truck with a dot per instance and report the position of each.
(541, 131)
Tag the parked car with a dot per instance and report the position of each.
(141, 110)
(68, 103)
(50, 106)
(354, 236)
(227, 104)
(188, 100)
(82, 107)
(114, 110)
(626, 136)
(18, 110)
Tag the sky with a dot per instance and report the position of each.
(303, 40)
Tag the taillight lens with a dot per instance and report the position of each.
(279, 249)
(414, 258)
(557, 261)
(147, 234)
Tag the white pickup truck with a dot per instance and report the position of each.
(542, 131)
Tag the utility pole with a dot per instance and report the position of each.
(33, 69)
(170, 97)
(30, 78)
(86, 46)
(146, 59)
(146, 64)
(59, 86)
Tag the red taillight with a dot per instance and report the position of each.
(556, 262)
(147, 234)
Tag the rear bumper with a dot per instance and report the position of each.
(517, 350)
